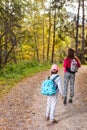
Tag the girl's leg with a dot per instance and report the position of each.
(53, 106)
(48, 107)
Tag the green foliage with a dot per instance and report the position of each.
(20, 70)
(14, 73)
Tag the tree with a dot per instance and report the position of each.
(77, 27)
(49, 34)
(54, 31)
(82, 53)
(56, 6)
(11, 15)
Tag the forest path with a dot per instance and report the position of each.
(24, 107)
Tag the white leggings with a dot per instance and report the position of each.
(51, 105)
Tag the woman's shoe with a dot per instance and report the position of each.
(70, 100)
(65, 100)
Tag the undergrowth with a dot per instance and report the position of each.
(14, 73)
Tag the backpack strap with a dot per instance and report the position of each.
(54, 81)
(55, 77)
(48, 77)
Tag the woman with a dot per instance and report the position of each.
(69, 74)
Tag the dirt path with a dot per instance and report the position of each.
(24, 107)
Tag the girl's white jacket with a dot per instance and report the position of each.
(58, 81)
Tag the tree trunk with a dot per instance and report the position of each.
(36, 46)
(52, 57)
(6, 39)
(0, 55)
(12, 47)
(43, 40)
(82, 53)
(49, 34)
(77, 27)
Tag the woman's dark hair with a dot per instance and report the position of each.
(71, 53)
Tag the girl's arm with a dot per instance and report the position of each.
(60, 86)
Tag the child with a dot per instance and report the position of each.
(52, 100)
(69, 75)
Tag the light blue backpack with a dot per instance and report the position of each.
(49, 86)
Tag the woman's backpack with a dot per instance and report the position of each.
(74, 65)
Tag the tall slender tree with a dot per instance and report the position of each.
(82, 53)
(54, 31)
(77, 27)
(49, 34)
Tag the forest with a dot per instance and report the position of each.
(37, 33)
(42, 30)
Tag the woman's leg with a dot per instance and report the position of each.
(66, 81)
(72, 80)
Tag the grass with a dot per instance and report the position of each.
(14, 73)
